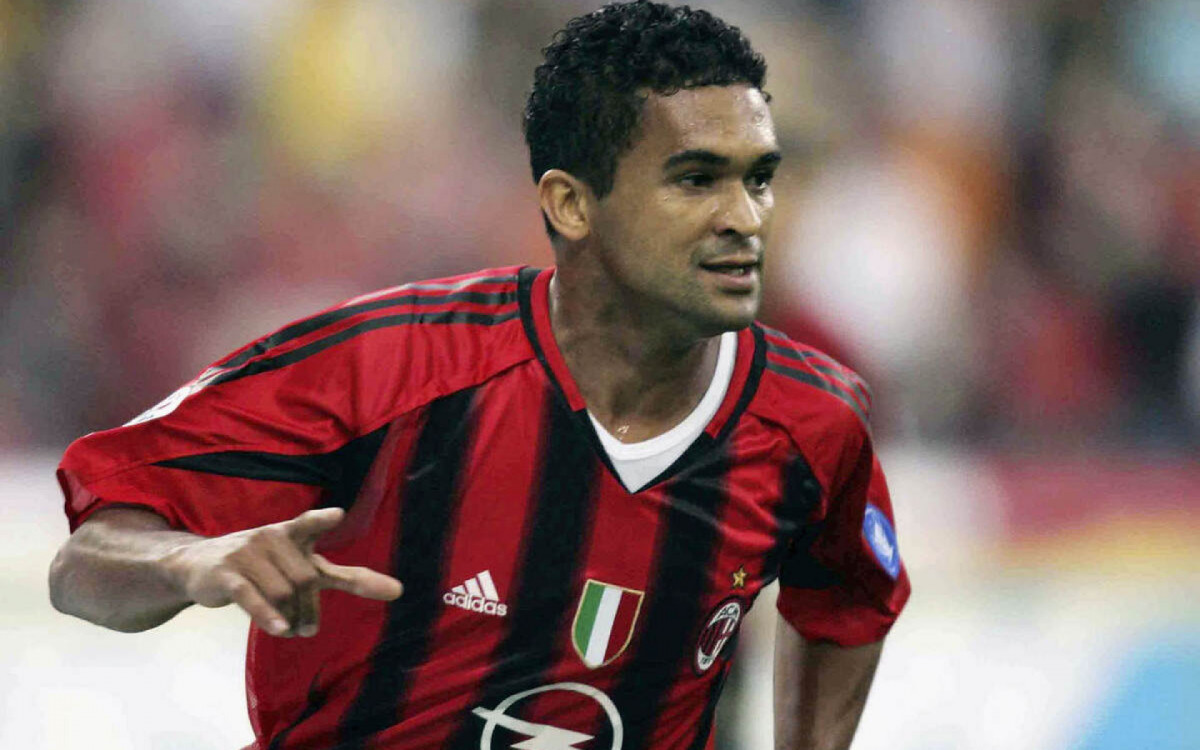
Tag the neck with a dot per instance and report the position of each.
(638, 377)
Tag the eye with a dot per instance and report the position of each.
(760, 181)
(697, 180)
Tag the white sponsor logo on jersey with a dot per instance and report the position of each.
(477, 594)
(172, 402)
(545, 736)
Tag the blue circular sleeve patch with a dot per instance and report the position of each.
(881, 538)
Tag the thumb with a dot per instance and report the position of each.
(307, 527)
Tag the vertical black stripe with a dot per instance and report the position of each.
(801, 494)
(549, 575)
(314, 703)
(671, 622)
(714, 695)
(354, 460)
(427, 511)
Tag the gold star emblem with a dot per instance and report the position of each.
(739, 578)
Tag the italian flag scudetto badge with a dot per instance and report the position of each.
(604, 622)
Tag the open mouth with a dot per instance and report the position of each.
(731, 268)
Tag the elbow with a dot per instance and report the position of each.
(57, 579)
(77, 588)
(67, 593)
(65, 597)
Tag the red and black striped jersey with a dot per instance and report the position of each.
(544, 605)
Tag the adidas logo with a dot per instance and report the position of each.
(477, 594)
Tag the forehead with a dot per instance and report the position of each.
(729, 120)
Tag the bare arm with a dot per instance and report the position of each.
(820, 690)
(127, 570)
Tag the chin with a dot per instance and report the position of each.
(730, 318)
(706, 314)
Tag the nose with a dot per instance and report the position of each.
(741, 213)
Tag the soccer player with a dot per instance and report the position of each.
(582, 475)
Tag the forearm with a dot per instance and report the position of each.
(114, 571)
(820, 691)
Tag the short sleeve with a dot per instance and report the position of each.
(842, 579)
(296, 419)
(259, 437)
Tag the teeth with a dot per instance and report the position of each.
(731, 270)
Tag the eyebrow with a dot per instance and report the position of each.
(771, 159)
(703, 156)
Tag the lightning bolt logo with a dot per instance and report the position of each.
(541, 736)
(544, 736)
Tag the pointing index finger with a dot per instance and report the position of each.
(307, 527)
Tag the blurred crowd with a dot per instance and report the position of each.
(991, 208)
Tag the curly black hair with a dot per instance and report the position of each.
(588, 94)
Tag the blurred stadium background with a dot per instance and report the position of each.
(991, 208)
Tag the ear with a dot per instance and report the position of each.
(566, 201)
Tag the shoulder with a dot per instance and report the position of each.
(822, 406)
(385, 352)
(473, 301)
(490, 291)
(461, 308)
(803, 388)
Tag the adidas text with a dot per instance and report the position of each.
(477, 594)
(475, 604)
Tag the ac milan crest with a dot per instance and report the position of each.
(719, 629)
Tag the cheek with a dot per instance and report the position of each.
(687, 218)
(655, 223)
(659, 232)
(767, 212)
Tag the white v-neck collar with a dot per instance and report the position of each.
(638, 463)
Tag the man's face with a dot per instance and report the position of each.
(682, 232)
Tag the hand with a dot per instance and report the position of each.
(273, 574)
